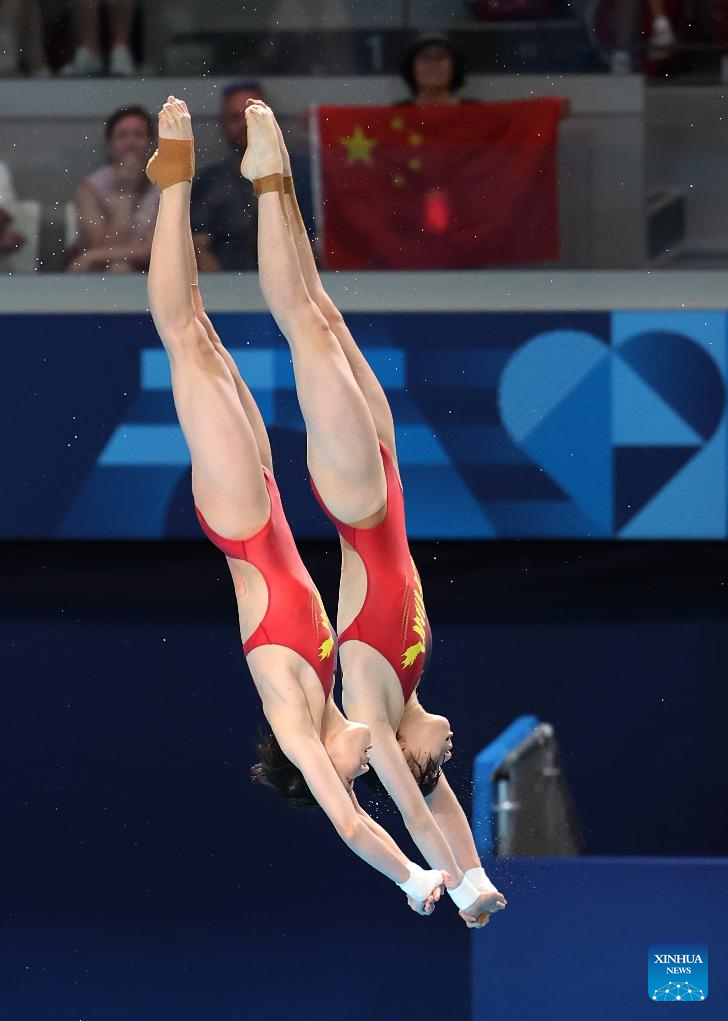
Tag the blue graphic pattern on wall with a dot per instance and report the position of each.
(589, 425)
(620, 427)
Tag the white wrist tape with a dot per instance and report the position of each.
(464, 895)
(477, 877)
(421, 882)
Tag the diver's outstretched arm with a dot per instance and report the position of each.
(300, 743)
(438, 827)
(453, 822)
(394, 773)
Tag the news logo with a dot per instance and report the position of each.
(677, 972)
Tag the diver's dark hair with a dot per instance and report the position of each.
(128, 111)
(274, 769)
(426, 777)
(407, 61)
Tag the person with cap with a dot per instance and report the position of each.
(434, 70)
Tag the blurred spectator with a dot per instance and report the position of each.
(21, 36)
(513, 10)
(224, 228)
(88, 60)
(10, 240)
(662, 37)
(433, 69)
(116, 204)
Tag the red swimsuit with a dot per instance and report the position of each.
(393, 619)
(295, 616)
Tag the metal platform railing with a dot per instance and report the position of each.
(521, 800)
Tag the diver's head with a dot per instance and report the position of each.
(426, 741)
(348, 748)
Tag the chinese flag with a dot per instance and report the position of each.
(440, 187)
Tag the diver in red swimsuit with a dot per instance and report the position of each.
(384, 632)
(313, 753)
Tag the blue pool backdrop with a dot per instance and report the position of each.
(144, 868)
(583, 425)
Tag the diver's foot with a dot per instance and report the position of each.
(174, 160)
(175, 120)
(285, 158)
(262, 155)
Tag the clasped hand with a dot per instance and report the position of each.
(427, 906)
(475, 916)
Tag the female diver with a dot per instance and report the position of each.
(288, 642)
(385, 637)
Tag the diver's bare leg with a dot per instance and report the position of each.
(343, 452)
(227, 482)
(363, 373)
(246, 398)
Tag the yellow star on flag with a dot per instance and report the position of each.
(358, 146)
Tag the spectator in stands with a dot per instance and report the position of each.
(433, 69)
(21, 34)
(88, 59)
(662, 36)
(224, 228)
(10, 240)
(117, 204)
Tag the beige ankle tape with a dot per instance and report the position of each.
(290, 190)
(172, 163)
(272, 182)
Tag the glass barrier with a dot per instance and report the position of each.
(425, 134)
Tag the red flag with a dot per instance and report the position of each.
(437, 187)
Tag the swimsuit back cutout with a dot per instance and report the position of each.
(295, 615)
(392, 619)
